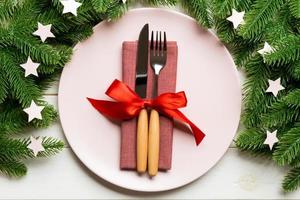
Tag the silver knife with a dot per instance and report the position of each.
(141, 90)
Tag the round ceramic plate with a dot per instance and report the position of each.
(206, 72)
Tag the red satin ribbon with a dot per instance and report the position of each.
(128, 105)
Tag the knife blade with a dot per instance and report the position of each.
(141, 90)
(142, 62)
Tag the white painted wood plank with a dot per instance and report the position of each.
(64, 177)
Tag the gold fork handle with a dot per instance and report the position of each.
(142, 141)
(153, 152)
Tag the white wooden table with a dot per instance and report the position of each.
(237, 175)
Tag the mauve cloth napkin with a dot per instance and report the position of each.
(166, 83)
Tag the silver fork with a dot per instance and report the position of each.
(158, 59)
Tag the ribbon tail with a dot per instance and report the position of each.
(176, 114)
(115, 110)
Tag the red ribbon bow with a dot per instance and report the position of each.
(129, 104)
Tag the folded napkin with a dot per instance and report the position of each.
(166, 83)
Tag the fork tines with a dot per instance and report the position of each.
(160, 47)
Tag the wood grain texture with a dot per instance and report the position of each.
(153, 150)
(142, 141)
(65, 177)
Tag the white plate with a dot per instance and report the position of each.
(206, 72)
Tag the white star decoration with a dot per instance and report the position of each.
(34, 111)
(70, 6)
(236, 18)
(275, 86)
(36, 145)
(271, 139)
(30, 67)
(267, 49)
(124, 1)
(44, 31)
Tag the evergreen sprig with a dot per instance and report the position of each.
(292, 180)
(18, 20)
(288, 147)
(199, 10)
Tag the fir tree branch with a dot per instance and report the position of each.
(222, 8)
(292, 180)
(293, 98)
(22, 88)
(52, 146)
(255, 100)
(7, 8)
(243, 53)
(251, 139)
(281, 113)
(288, 147)
(12, 167)
(286, 50)
(3, 85)
(102, 5)
(12, 118)
(199, 9)
(115, 11)
(49, 115)
(257, 18)
(160, 2)
(43, 53)
(17, 149)
(295, 7)
(75, 35)
(295, 70)
(224, 30)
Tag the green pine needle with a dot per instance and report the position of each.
(295, 7)
(286, 50)
(22, 88)
(199, 10)
(160, 2)
(102, 5)
(3, 86)
(284, 111)
(251, 139)
(257, 19)
(292, 180)
(288, 147)
(13, 151)
(295, 70)
(12, 167)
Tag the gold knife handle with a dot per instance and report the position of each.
(142, 141)
(153, 151)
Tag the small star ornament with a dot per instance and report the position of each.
(30, 67)
(35, 145)
(124, 1)
(44, 31)
(70, 6)
(275, 86)
(34, 111)
(271, 139)
(267, 49)
(236, 18)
